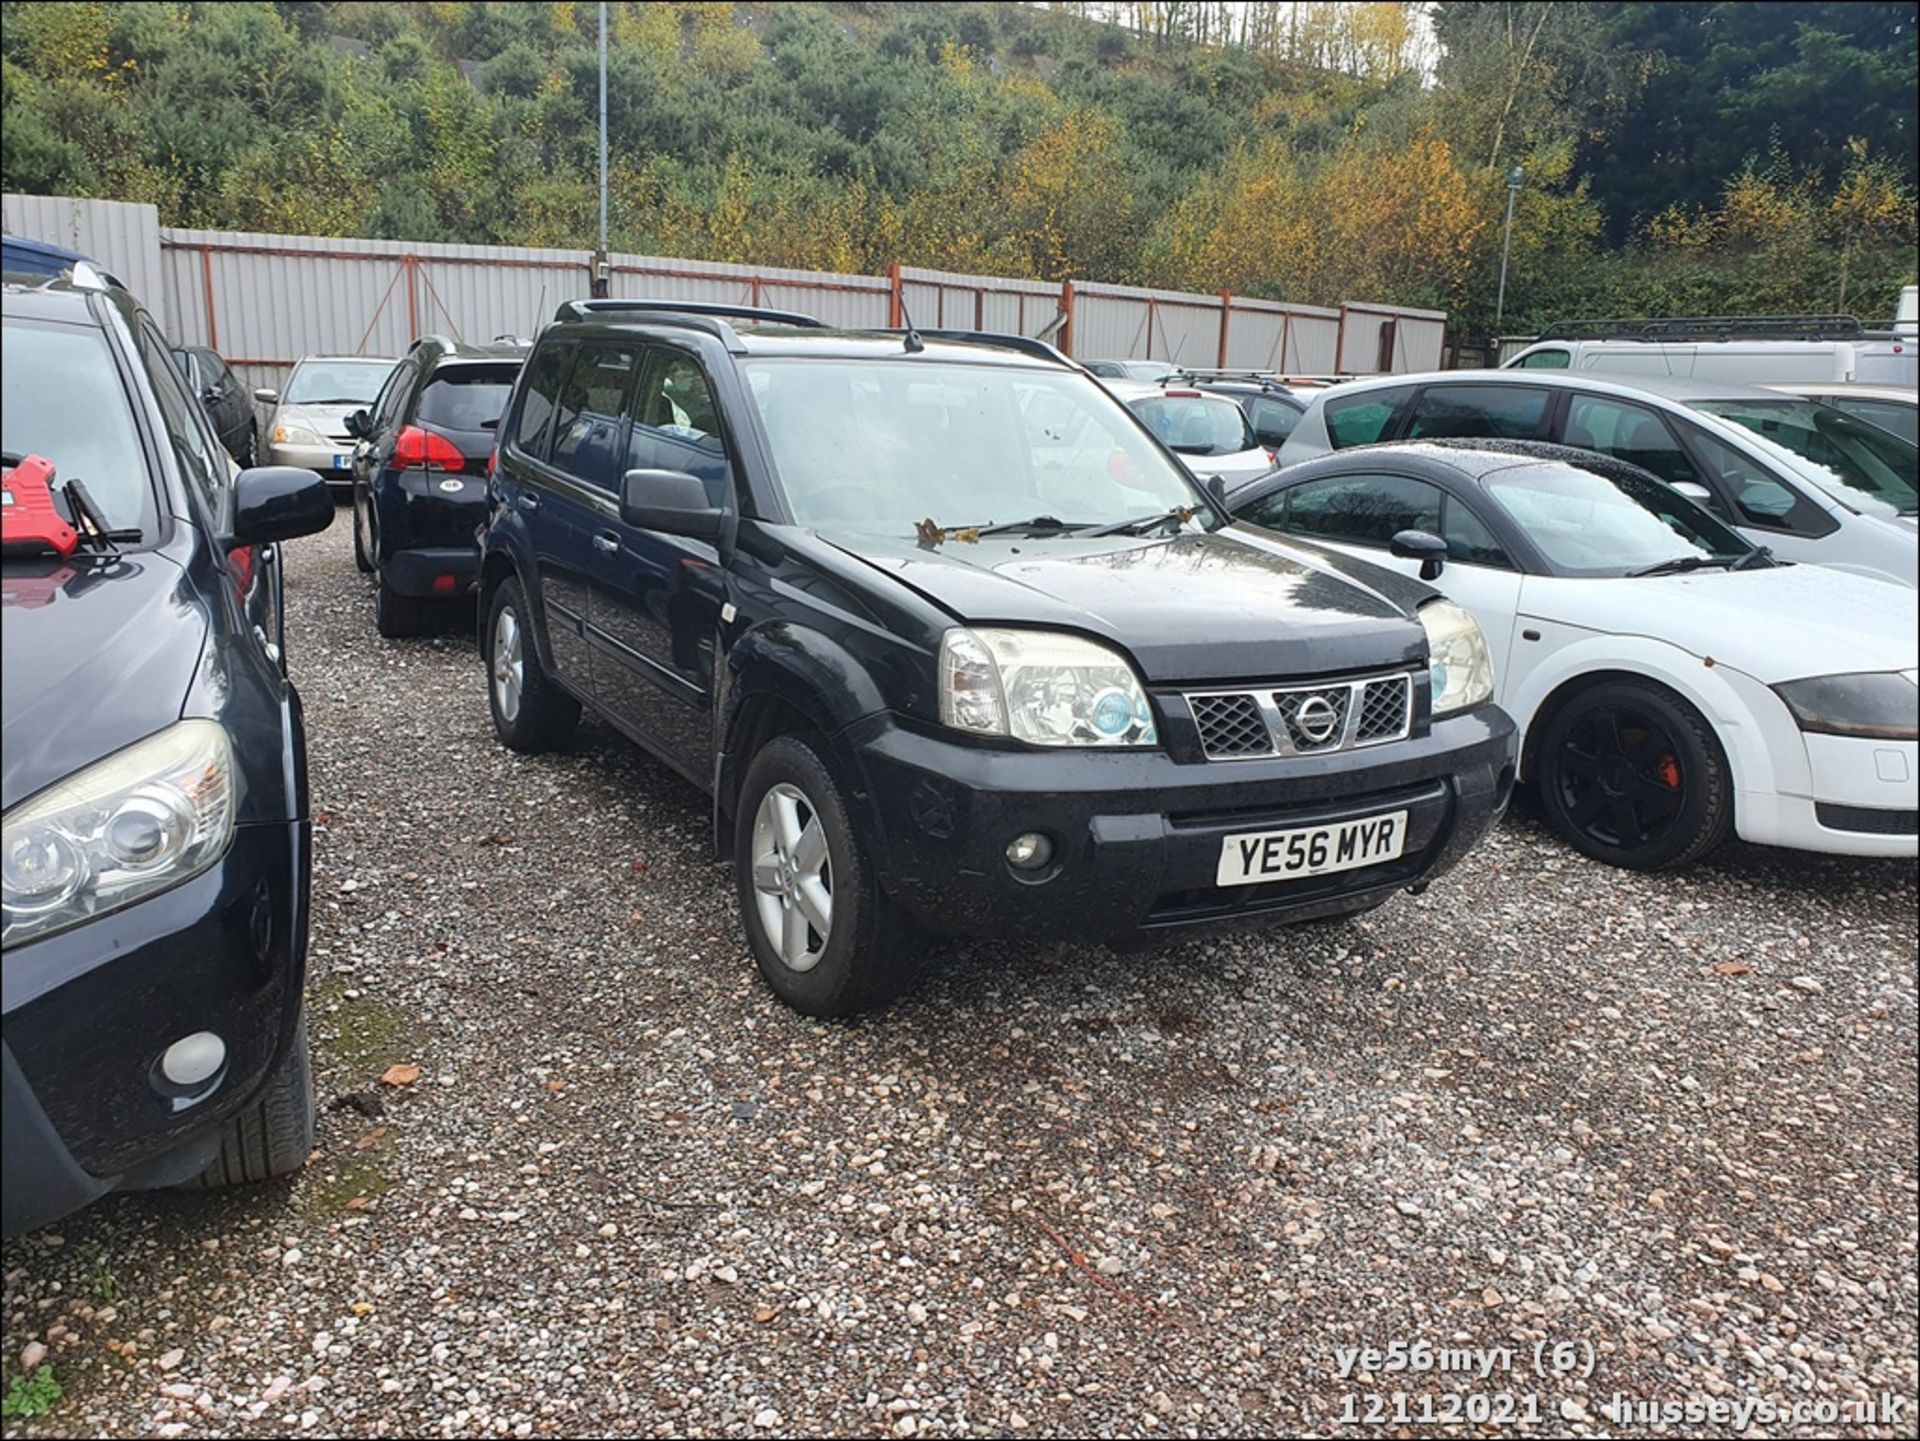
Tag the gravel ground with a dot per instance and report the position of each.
(1060, 1192)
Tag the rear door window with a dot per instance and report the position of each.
(540, 397)
(1511, 412)
(1630, 432)
(589, 420)
(466, 397)
(1362, 509)
(1365, 418)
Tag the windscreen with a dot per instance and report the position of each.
(1858, 464)
(336, 382)
(467, 397)
(1608, 525)
(879, 446)
(1197, 424)
(63, 399)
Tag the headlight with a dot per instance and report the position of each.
(1042, 687)
(1458, 664)
(295, 435)
(1880, 705)
(136, 823)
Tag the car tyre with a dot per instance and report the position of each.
(1631, 774)
(531, 713)
(797, 844)
(362, 552)
(273, 1134)
(396, 616)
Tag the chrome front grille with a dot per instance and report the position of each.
(1303, 720)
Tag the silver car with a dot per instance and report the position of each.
(1211, 433)
(1810, 482)
(309, 426)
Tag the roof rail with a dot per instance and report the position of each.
(1712, 327)
(587, 309)
(1025, 344)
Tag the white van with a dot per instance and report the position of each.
(1717, 350)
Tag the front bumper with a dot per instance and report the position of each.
(1863, 800)
(88, 1013)
(1137, 835)
(334, 460)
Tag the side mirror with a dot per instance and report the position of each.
(1423, 546)
(1217, 492)
(267, 396)
(211, 395)
(671, 502)
(358, 423)
(1694, 491)
(278, 502)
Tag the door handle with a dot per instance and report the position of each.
(608, 542)
(526, 501)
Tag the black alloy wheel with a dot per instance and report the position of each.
(1630, 773)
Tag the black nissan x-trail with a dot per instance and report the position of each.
(957, 647)
(156, 832)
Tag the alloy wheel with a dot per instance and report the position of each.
(509, 664)
(1620, 781)
(792, 877)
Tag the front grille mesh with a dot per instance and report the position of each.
(1242, 725)
(1231, 725)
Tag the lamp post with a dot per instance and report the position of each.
(601, 272)
(1516, 177)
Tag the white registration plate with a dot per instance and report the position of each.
(343, 462)
(1255, 857)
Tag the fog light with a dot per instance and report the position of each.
(1029, 852)
(194, 1060)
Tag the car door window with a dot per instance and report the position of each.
(1269, 510)
(1758, 498)
(1273, 421)
(676, 426)
(1363, 419)
(1362, 509)
(1468, 540)
(1509, 412)
(387, 407)
(540, 397)
(198, 453)
(1554, 359)
(588, 419)
(1630, 432)
(1901, 418)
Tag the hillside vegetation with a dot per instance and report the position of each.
(1678, 158)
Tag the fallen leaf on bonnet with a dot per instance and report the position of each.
(927, 533)
(402, 1074)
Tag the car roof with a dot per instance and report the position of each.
(350, 359)
(794, 340)
(1667, 387)
(1867, 390)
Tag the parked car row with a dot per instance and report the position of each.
(955, 637)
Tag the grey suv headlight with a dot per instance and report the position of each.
(1042, 687)
(134, 824)
(1458, 664)
(1881, 705)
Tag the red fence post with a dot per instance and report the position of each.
(206, 278)
(894, 321)
(1226, 316)
(1066, 306)
(411, 263)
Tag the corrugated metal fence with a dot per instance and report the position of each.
(263, 301)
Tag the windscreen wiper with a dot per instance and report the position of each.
(89, 522)
(1759, 558)
(1178, 516)
(1680, 565)
(1039, 524)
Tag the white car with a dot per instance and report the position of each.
(1211, 433)
(310, 419)
(1672, 684)
(1803, 479)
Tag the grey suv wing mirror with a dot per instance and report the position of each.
(1694, 491)
(671, 502)
(266, 395)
